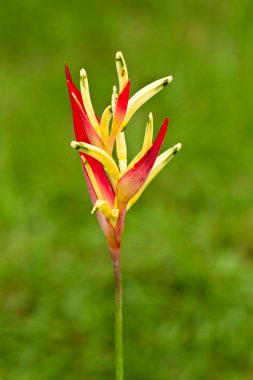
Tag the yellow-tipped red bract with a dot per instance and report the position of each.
(114, 186)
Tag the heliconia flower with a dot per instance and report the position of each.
(115, 187)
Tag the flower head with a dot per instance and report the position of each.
(114, 186)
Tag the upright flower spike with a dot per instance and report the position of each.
(113, 187)
(120, 186)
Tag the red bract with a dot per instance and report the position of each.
(119, 114)
(80, 129)
(131, 182)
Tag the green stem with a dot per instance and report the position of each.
(118, 314)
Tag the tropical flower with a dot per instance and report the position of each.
(115, 187)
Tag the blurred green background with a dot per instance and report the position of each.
(188, 243)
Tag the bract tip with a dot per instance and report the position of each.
(67, 72)
(74, 144)
(83, 73)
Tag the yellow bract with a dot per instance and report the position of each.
(104, 125)
(148, 138)
(159, 164)
(115, 96)
(104, 207)
(84, 85)
(121, 150)
(142, 96)
(100, 155)
(121, 70)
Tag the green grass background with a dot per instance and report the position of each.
(188, 243)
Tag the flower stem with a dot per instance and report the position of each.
(118, 314)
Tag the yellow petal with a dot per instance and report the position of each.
(159, 164)
(121, 70)
(148, 134)
(142, 96)
(104, 207)
(84, 85)
(104, 125)
(115, 96)
(100, 155)
(121, 150)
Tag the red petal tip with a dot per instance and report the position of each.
(67, 72)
